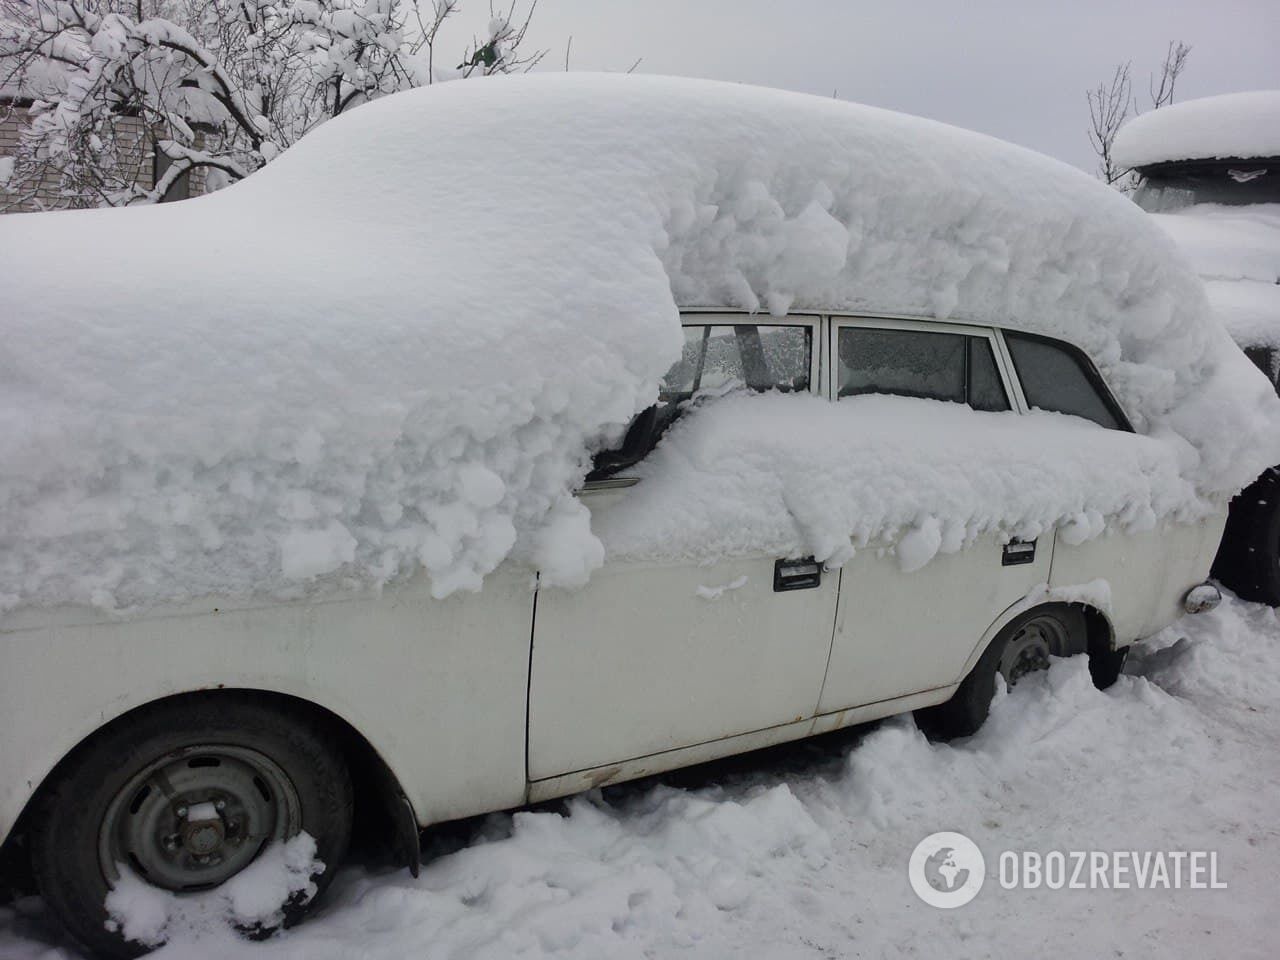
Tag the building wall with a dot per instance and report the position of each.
(136, 158)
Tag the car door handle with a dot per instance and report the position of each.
(1017, 552)
(804, 574)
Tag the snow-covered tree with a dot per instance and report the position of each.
(215, 85)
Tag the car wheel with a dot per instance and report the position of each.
(260, 775)
(1248, 560)
(1024, 646)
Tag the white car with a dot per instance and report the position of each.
(822, 514)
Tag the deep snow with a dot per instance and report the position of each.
(254, 897)
(802, 851)
(397, 344)
(794, 475)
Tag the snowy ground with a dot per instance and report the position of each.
(802, 851)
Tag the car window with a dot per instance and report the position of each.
(919, 363)
(759, 357)
(1059, 378)
(716, 358)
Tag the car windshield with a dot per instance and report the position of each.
(1235, 183)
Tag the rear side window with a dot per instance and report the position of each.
(758, 357)
(1060, 379)
(919, 363)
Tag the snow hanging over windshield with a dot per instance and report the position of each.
(397, 345)
(1236, 252)
(1228, 126)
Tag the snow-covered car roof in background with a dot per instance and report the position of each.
(1231, 126)
(396, 345)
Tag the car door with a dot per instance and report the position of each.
(1146, 572)
(897, 632)
(651, 656)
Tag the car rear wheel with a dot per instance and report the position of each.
(184, 795)
(1024, 646)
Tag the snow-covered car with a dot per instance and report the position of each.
(1210, 175)
(512, 438)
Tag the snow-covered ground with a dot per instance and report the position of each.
(802, 851)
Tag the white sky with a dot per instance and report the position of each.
(1016, 70)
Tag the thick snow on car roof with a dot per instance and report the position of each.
(1234, 125)
(397, 344)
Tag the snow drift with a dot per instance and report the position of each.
(254, 899)
(1233, 125)
(792, 475)
(397, 345)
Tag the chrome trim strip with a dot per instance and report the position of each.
(609, 483)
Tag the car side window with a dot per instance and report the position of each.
(920, 363)
(1058, 378)
(756, 356)
(716, 358)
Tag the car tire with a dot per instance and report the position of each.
(1248, 561)
(1023, 646)
(273, 771)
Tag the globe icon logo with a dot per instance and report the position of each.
(946, 870)
(942, 871)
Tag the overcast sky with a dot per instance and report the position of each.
(1016, 70)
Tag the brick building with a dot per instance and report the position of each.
(138, 163)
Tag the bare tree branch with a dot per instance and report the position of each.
(1109, 106)
(1112, 103)
(1175, 59)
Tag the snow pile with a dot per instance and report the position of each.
(1234, 125)
(397, 345)
(1236, 251)
(803, 852)
(253, 898)
(794, 475)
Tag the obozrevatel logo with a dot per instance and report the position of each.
(946, 870)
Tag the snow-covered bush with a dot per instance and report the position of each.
(391, 349)
(219, 85)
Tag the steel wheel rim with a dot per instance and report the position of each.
(196, 817)
(1030, 648)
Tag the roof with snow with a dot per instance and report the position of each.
(1231, 126)
(396, 346)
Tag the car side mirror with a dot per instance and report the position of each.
(641, 437)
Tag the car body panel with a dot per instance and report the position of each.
(937, 614)
(473, 709)
(638, 662)
(1147, 574)
(431, 684)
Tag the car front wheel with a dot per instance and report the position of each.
(183, 795)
